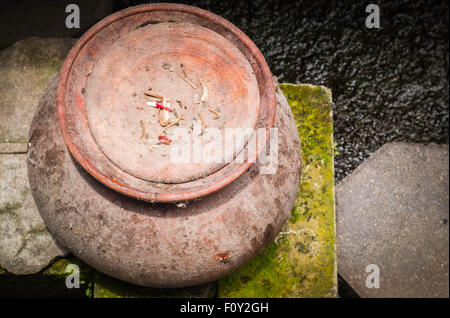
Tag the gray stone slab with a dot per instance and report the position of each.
(13, 147)
(393, 211)
(26, 69)
(26, 246)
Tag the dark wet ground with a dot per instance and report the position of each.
(389, 84)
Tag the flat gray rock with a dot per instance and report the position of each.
(26, 69)
(13, 147)
(393, 211)
(26, 246)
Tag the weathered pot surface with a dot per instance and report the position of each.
(164, 244)
(209, 72)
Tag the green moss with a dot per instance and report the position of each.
(58, 269)
(301, 262)
(336, 152)
(2, 271)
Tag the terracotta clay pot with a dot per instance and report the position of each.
(122, 207)
(160, 245)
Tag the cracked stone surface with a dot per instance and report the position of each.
(26, 69)
(393, 211)
(26, 246)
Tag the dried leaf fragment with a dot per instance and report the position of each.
(201, 119)
(143, 128)
(154, 95)
(214, 112)
(173, 124)
(186, 80)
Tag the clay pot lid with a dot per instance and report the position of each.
(182, 63)
(211, 77)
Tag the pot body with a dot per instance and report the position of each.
(160, 245)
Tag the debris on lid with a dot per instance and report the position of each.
(143, 128)
(183, 70)
(164, 140)
(187, 81)
(204, 94)
(173, 124)
(163, 117)
(168, 67)
(153, 95)
(201, 119)
(163, 105)
(156, 105)
(214, 112)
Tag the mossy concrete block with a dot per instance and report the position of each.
(108, 287)
(26, 246)
(26, 68)
(301, 262)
